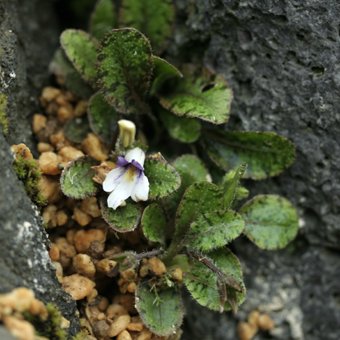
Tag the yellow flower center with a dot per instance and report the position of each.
(130, 173)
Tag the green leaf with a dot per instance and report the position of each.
(77, 129)
(231, 183)
(153, 17)
(271, 221)
(81, 50)
(163, 72)
(102, 117)
(76, 179)
(191, 169)
(206, 283)
(199, 198)
(161, 310)
(214, 230)
(163, 177)
(265, 153)
(67, 75)
(123, 219)
(241, 193)
(185, 130)
(103, 18)
(125, 69)
(154, 223)
(194, 99)
(181, 261)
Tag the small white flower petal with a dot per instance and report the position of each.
(113, 202)
(112, 179)
(141, 190)
(136, 154)
(122, 191)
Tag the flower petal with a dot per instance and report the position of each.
(121, 161)
(136, 154)
(122, 191)
(112, 179)
(141, 190)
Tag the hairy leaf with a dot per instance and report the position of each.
(185, 130)
(125, 69)
(124, 218)
(77, 129)
(154, 223)
(76, 179)
(241, 193)
(214, 230)
(218, 286)
(163, 177)
(161, 311)
(199, 198)
(265, 153)
(181, 261)
(194, 99)
(191, 169)
(163, 72)
(231, 185)
(271, 221)
(103, 18)
(153, 17)
(67, 75)
(102, 117)
(81, 50)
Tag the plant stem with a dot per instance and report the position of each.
(173, 250)
(150, 253)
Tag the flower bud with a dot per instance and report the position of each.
(127, 133)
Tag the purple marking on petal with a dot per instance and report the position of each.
(137, 165)
(122, 162)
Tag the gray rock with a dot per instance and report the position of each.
(24, 259)
(5, 335)
(282, 64)
(281, 59)
(297, 288)
(28, 37)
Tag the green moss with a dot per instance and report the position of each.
(55, 319)
(3, 115)
(28, 172)
(50, 328)
(81, 335)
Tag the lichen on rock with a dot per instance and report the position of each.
(3, 113)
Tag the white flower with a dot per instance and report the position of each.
(127, 179)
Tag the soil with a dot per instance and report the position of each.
(282, 65)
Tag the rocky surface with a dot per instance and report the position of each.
(281, 59)
(5, 335)
(27, 40)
